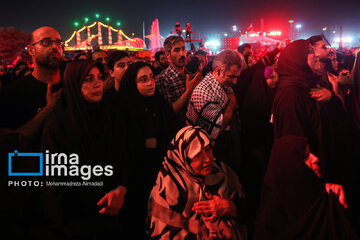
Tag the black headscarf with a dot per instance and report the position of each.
(293, 68)
(146, 118)
(83, 119)
(91, 130)
(288, 175)
(295, 204)
(151, 116)
(294, 111)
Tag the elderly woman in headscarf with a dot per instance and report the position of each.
(296, 203)
(84, 124)
(194, 196)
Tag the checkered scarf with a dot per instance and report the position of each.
(207, 104)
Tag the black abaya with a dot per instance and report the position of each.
(295, 204)
(96, 133)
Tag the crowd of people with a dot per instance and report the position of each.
(241, 145)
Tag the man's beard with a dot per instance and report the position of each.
(164, 65)
(181, 62)
(50, 62)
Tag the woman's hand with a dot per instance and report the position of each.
(113, 200)
(214, 207)
(338, 191)
(321, 94)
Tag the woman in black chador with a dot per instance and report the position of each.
(150, 119)
(296, 110)
(296, 203)
(85, 125)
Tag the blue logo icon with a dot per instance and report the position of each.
(17, 154)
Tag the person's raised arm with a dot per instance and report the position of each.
(184, 98)
(229, 110)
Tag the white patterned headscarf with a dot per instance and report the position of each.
(170, 214)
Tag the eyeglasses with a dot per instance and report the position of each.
(47, 42)
(325, 47)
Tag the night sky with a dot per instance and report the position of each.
(206, 15)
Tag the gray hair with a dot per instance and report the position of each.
(228, 58)
(170, 41)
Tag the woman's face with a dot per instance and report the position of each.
(92, 87)
(334, 62)
(312, 161)
(145, 82)
(272, 79)
(202, 163)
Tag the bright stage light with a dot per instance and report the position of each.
(345, 39)
(212, 44)
(298, 26)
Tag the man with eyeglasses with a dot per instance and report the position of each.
(334, 138)
(322, 49)
(26, 103)
(25, 106)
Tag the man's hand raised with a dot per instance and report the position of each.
(191, 84)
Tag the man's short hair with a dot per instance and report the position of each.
(200, 52)
(226, 59)
(97, 50)
(242, 47)
(114, 57)
(314, 39)
(158, 54)
(171, 41)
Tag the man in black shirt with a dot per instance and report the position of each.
(25, 106)
(26, 103)
(117, 65)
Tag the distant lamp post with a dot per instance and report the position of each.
(298, 26)
(234, 27)
(291, 29)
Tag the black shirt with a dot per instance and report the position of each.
(21, 100)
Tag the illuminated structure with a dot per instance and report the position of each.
(83, 39)
(156, 40)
